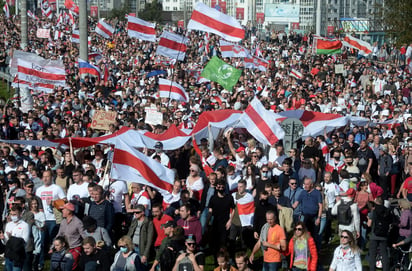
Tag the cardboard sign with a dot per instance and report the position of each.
(102, 119)
(43, 33)
(94, 11)
(153, 116)
(339, 68)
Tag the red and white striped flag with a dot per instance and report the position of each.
(71, 20)
(295, 73)
(60, 20)
(130, 165)
(209, 19)
(70, 5)
(172, 90)
(47, 12)
(140, 29)
(58, 35)
(104, 29)
(256, 63)
(233, 50)
(6, 10)
(31, 15)
(261, 123)
(365, 48)
(246, 209)
(75, 36)
(172, 45)
(41, 73)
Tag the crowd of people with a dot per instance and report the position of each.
(61, 204)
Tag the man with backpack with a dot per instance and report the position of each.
(379, 220)
(347, 212)
(189, 259)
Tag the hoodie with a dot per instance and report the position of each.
(192, 226)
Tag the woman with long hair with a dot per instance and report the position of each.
(362, 198)
(347, 254)
(302, 249)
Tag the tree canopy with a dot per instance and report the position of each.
(397, 19)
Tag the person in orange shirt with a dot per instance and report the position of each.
(272, 240)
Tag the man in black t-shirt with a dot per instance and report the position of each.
(365, 158)
(220, 207)
(92, 258)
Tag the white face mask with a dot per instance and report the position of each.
(14, 218)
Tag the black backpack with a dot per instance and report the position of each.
(167, 259)
(345, 213)
(382, 219)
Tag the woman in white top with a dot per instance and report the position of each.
(347, 254)
(194, 183)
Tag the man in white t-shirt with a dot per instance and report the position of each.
(118, 192)
(48, 193)
(79, 189)
(164, 159)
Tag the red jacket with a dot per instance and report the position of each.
(313, 254)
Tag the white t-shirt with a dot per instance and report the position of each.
(78, 190)
(331, 192)
(17, 229)
(48, 195)
(117, 190)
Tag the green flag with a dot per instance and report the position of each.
(219, 71)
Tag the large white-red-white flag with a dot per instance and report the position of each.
(40, 72)
(254, 62)
(104, 29)
(6, 10)
(261, 123)
(246, 209)
(365, 48)
(172, 90)
(47, 12)
(130, 165)
(32, 15)
(211, 20)
(75, 36)
(140, 29)
(295, 73)
(172, 45)
(229, 49)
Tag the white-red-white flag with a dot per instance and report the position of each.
(295, 73)
(211, 20)
(233, 50)
(104, 29)
(261, 123)
(31, 15)
(130, 165)
(47, 12)
(41, 72)
(6, 10)
(246, 209)
(75, 36)
(140, 29)
(172, 90)
(172, 45)
(256, 63)
(365, 48)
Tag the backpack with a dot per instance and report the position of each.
(382, 220)
(167, 259)
(345, 213)
(186, 264)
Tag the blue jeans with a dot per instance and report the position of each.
(203, 219)
(271, 266)
(10, 267)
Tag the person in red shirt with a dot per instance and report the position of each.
(159, 218)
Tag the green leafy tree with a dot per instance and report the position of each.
(396, 16)
(152, 12)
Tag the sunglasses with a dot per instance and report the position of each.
(191, 244)
(344, 236)
(292, 183)
(138, 212)
(298, 229)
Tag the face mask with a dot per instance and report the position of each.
(1, 172)
(14, 218)
(221, 191)
(123, 249)
(362, 180)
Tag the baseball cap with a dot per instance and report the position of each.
(191, 238)
(28, 182)
(158, 145)
(169, 223)
(241, 148)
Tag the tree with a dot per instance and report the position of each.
(152, 12)
(396, 15)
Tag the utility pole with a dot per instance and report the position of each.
(83, 30)
(137, 8)
(184, 14)
(57, 7)
(23, 17)
(318, 17)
